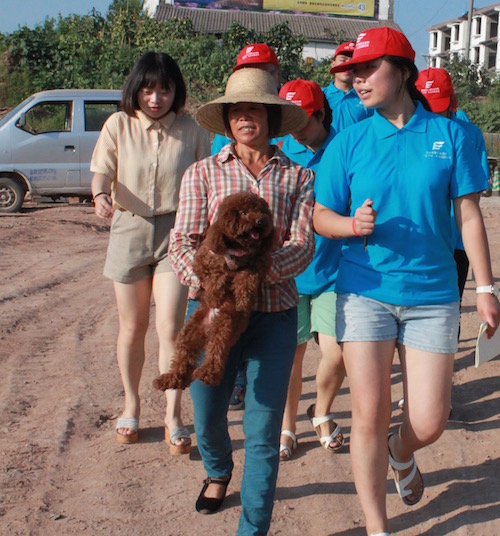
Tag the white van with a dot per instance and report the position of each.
(47, 141)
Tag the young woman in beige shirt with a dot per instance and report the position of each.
(138, 164)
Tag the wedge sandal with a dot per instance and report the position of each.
(127, 423)
(171, 436)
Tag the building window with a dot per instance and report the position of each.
(491, 60)
(455, 29)
(434, 40)
(493, 29)
(477, 26)
(475, 55)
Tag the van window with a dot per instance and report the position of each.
(47, 117)
(96, 114)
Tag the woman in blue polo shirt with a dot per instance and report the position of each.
(316, 310)
(395, 175)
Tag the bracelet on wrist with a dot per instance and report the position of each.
(488, 289)
(354, 228)
(97, 195)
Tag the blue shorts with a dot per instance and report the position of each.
(431, 328)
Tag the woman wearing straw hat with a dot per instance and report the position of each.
(396, 175)
(251, 113)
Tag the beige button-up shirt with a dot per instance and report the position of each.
(146, 159)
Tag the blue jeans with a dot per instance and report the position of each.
(267, 350)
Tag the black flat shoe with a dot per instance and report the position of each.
(207, 505)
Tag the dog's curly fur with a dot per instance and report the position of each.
(231, 263)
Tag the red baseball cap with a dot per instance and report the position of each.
(376, 43)
(437, 87)
(254, 54)
(304, 93)
(346, 48)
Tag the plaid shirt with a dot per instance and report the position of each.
(286, 186)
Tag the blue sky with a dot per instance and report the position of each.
(413, 16)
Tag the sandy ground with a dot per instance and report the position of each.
(63, 471)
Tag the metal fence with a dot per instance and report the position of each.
(492, 144)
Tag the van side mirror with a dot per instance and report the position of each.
(21, 122)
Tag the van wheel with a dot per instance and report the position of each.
(11, 195)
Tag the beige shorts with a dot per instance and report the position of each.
(138, 246)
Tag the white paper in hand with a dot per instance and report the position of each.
(486, 349)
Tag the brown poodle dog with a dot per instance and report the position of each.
(231, 263)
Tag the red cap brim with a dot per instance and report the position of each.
(348, 65)
(439, 105)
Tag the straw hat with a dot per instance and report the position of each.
(251, 85)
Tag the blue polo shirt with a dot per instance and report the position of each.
(460, 114)
(220, 141)
(411, 174)
(347, 108)
(321, 273)
(476, 136)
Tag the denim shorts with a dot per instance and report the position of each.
(431, 328)
(316, 314)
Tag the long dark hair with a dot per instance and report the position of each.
(404, 64)
(153, 68)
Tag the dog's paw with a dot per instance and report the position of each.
(170, 381)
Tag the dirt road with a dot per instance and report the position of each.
(64, 473)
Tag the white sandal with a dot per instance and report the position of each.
(286, 452)
(335, 437)
(402, 484)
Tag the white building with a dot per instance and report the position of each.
(449, 38)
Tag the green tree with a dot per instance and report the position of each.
(477, 92)
(288, 48)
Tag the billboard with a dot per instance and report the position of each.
(332, 7)
(365, 10)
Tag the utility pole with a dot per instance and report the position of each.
(469, 30)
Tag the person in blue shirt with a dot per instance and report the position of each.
(345, 103)
(394, 177)
(316, 310)
(437, 87)
(260, 56)
(462, 115)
